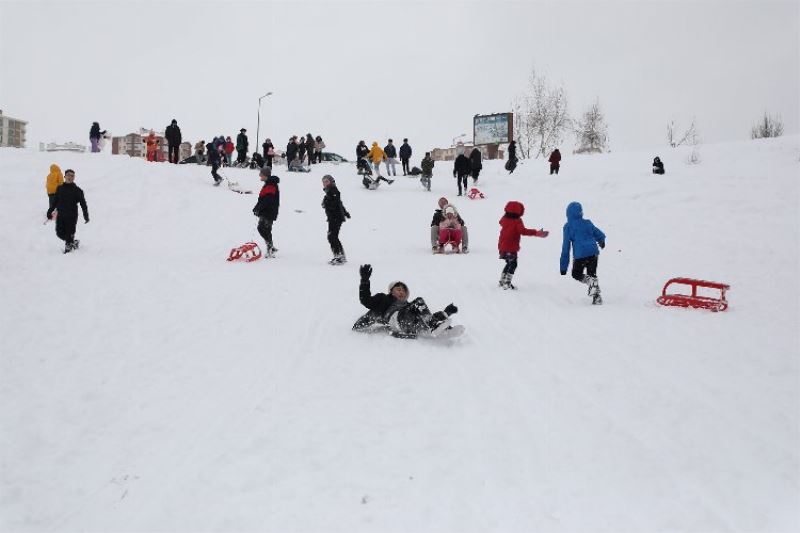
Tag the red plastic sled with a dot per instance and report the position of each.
(693, 300)
(249, 251)
(474, 194)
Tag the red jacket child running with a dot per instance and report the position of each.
(511, 230)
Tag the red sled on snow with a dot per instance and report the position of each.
(249, 251)
(694, 300)
(474, 194)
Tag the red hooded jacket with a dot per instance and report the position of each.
(512, 228)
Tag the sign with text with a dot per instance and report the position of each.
(497, 128)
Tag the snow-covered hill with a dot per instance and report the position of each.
(146, 384)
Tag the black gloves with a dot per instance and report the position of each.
(346, 214)
(451, 309)
(365, 271)
(602, 244)
(563, 272)
(86, 220)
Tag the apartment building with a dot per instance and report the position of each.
(12, 131)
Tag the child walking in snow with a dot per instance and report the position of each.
(65, 210)
(266, 209)
(584, 238)
(511, 229)
(336, 214)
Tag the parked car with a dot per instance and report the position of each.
(333, 158)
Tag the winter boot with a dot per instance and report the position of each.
(505, 281)
(76, 244)
(594, 291)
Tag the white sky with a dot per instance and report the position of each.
(374, 70)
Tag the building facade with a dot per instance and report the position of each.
(12, 131)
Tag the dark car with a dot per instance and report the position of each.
(333, 158)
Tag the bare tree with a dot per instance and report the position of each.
(540, 117)
(768, 127)
(689, 136)
(591, 131)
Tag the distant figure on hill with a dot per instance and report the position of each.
(151, 146)
(405, 156)
(242, 146)
(199, 150)
(173, 136)
(658, 166)
(269, 152)
(319, 146)
(391, 159)
(461, 171)
(291, 149)
(476, 164)
(94, 136)
(511, 164)
(214, 158)
(311, 147)
(584, 238)
(377, 156)
(427, 171)
(54, 179)
(65, 210)
(555, 161)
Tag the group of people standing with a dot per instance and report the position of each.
(302, 149)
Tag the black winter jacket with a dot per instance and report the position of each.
(291, 151)
(475, 159)
(173, 135)
(361, 151)
(378, 303)
(68, 196)
(269, 199)
(461, 166)
(95, 133)
(390, 150)
(332, 203)
(405, 151)
(213, 153)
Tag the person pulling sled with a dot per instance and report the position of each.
(393, 313)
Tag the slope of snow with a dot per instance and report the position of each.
(147, 384)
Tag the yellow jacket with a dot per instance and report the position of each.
(376, 153)
(54, 179)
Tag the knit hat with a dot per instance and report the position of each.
(449, 210)
(394, 284)
(329, 178)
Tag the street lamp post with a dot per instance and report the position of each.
(258, 128)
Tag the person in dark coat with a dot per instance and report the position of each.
(555, 161)
(658, 166)
(242, 146)
(336, 215)
(476, 164)
(461, 170)
(301, 149)
(214, 160)
(361, 150)
(291, 150)
(94, 136)
(511, 164)
(269, 152)
(310, 145)
(266, 209)
(65, 210)
(405, 156)
(173, 136)
(391, 158)
(392, 312)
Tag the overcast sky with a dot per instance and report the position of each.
(380, 69)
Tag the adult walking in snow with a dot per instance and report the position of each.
(426, 176)
(461, 170)
(54, 179)
(476, 164)
(391, 158)
(266, 209)
(291, 150)
(555, 161)
(336, 215)
(173, 136)
(214, 158)
(405, 156)
(377, 156)
(65, 210)
(242, 146)
(94, 136)
(392, 312)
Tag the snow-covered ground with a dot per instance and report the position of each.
(146, 384)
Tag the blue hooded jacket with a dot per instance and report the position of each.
(581, 234)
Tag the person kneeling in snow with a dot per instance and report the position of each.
(393, 312)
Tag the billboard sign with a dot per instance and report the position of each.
(497, 128)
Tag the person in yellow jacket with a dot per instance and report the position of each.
(54, 179)
(377, 156)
